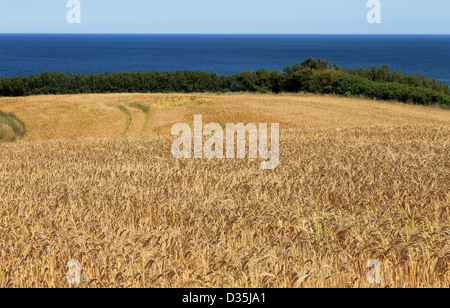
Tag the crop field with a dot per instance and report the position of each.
(94, 180)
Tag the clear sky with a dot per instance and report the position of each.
(226, 16)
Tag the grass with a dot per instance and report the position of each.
(357, 180)
(11, 127)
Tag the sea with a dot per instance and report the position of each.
(27, 54)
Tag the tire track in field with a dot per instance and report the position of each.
(146, 111)
(129, 119)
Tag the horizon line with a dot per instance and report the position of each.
(111, 33)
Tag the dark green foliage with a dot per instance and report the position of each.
(355, 85)
(311, 63)
(299, 80)
(261, 81)
(382, 74)
(312, 75)
(11, 127)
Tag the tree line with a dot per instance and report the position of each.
(312, 75)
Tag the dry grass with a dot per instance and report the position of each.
(366, 180)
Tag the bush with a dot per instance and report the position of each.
(300, 80)
(353, 85)
(389, 91)
(312, 75)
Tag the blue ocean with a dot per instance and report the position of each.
(26, 54)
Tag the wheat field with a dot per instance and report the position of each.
(94, 181)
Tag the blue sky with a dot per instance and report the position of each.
(232, 16)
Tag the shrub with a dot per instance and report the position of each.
(312, 75)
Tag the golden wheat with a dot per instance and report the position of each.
(136, 217)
